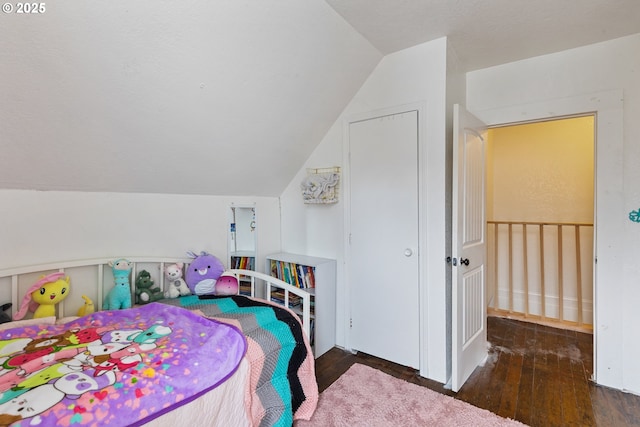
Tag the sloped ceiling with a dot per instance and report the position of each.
(222, 97)
(230, 97)
(485, 33)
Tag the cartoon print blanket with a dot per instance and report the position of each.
(113, 368)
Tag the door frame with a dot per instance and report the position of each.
(607, 108)
(420, 107)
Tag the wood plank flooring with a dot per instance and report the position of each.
(536, 374)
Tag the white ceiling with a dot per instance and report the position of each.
(484, 33)
(224, 97)
(230, 97)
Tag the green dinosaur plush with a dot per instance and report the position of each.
(145, 292)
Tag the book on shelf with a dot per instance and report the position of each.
(279, 297)
(245, 288)
(243, 262)
(300, 276)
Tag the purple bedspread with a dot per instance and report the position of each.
(115, 368)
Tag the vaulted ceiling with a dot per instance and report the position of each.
(485, 33)
(230, 97)
(221, 97)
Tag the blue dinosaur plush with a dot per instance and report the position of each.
(119, 296)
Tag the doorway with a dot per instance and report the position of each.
(540, 210)
(540, 213)
(607, 108)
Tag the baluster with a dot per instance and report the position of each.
(543, 298)
(560, 281)
(578, 275)
(496, 302)
(510, 268)
(525, 269)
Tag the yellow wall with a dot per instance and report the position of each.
(541, 171)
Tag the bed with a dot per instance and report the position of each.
(215, 361)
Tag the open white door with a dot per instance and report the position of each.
(469, 312)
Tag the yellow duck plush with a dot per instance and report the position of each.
(43, 296)
(87, 308)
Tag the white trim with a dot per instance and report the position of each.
(608, 109)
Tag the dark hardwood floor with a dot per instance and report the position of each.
(535, 374)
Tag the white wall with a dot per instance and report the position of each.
(579, 72)
(414, 75)
(47, 226)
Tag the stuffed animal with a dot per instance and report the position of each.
(4, 317)
(227, 284)
(87, 308)
(145, 291)
(119, 296)
(177, 285)
(203, 272)
(42, 297)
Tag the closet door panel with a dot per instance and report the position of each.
(383, 249)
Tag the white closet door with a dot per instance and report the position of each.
(383, 253)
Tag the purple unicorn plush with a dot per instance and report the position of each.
(202, 273)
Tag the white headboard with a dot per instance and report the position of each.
(94, 278)
(90, 277)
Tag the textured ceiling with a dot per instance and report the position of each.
(225, 97)
(230, 97)
(484, 33)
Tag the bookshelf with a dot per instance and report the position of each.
(245, 261)
(242, 243)
(317, 276)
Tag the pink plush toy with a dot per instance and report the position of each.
(177, 286)
(227, 284)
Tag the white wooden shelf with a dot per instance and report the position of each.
(323, 296)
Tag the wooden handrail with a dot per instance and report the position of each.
(580, 224)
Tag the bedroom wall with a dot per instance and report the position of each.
(48, 226)
(578, 72)
(414, 75)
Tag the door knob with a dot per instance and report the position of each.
(464, 261)
(408, 252)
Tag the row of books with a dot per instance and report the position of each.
(277, 295)
(243, 262)
(245, 287)
(300, 276)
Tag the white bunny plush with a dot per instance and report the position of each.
(177, 286)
